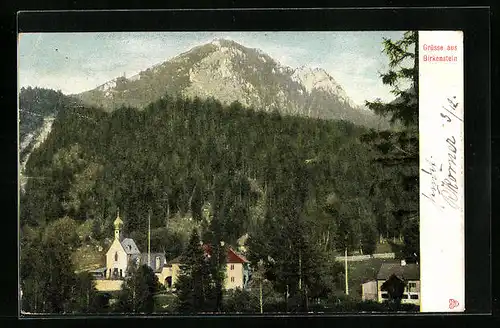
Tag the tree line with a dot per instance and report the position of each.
(178, 156)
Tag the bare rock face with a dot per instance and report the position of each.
(228, 72)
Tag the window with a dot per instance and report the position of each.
(405, 296)
(232, 267)
(412, 285)
(232, 279)
(158, 262)
(116, 256)
(385, 295)
(414, 297)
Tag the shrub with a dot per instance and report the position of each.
(240, 301)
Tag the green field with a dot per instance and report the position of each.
(88, 257)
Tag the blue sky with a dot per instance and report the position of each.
(76, 62)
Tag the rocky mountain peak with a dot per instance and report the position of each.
(318, 78)
(229, 71)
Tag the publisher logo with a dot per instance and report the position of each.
(453, 303)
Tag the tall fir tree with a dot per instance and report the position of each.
(137, 294)
(193, 284)
(396, 150)
(217, 262)
(48, 280)
(85, 298)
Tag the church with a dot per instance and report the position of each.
(124, 252)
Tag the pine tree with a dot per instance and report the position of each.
(402, 77)
(48, 280)
(85, 297)
(397, 149)
(193, 284)
(137, 291)
(217, 263)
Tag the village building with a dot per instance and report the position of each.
(237, 270)
(124, 252)
(394, 274)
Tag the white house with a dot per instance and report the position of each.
(408, 274)
(237, 270)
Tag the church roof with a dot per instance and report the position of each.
(118, 221)
(129, 246)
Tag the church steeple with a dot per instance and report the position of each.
(118, 223)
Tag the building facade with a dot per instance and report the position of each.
(407, 274)
(237, 270)
(124, 252)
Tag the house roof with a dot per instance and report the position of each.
(232, 256)
(235, 257)
(176, 260)
(129, 246)
(409, 271)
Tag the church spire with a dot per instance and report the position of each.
(118, 223)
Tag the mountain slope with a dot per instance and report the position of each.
(38, 108)
(230, 72)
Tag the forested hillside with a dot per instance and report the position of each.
(194, 158)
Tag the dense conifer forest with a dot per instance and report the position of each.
(180, 156)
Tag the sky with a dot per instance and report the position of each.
(76, 62)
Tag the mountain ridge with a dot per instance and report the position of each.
(228, 71)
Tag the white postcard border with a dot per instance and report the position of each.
(441, 133)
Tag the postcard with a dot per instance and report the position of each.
(180, 173)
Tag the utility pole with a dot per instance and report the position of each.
(346, 283)
(287, 294)
(149, 238)
(260, 296)
(260, 271)
(300, 269)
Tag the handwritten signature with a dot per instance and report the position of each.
(446, 188)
